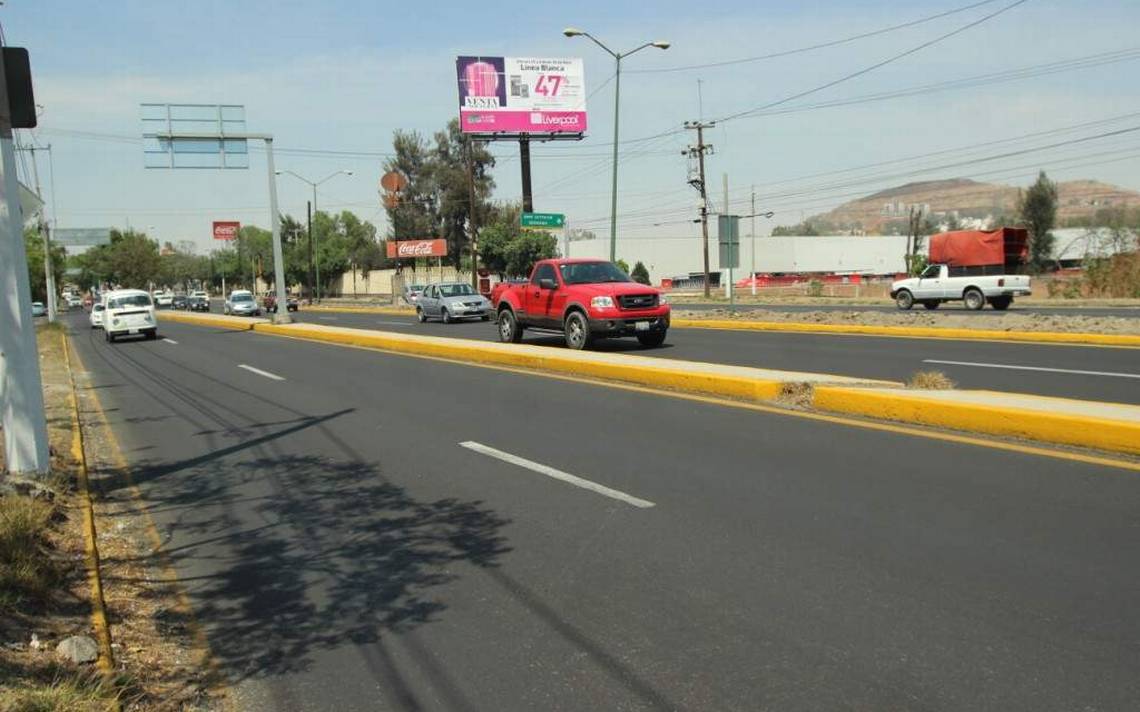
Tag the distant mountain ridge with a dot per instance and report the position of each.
(885, 210)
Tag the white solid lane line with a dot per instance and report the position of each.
(394, 323)
(556, 474)
(259, 372)
(329, 318)
(1111, 374)
(171, 341)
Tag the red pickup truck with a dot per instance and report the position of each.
(584, 299)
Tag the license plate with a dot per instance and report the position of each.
(132, 331)
(641, 326)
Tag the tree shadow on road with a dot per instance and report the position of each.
(286, 556)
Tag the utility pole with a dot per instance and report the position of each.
(698, 152)
(473, 225)
(42, 224)
(21, 388)
(309, 222)
(728, 286)
(752, 237)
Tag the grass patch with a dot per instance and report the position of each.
(54, 687)
(796, 394)
(930, 381)
(28, 569)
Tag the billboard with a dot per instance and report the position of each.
(403, 249)
(521, 95)
(226, 229)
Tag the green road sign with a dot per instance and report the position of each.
(543, 220)
(81, 237)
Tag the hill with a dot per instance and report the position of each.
(886, 210)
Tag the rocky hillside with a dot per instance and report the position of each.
(887, 209)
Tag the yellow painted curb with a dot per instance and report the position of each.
(106, 659)
(925, 332)
(542, 359)
(238, 323)
(1057, 428)
(392, 311)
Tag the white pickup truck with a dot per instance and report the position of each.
(937, 284)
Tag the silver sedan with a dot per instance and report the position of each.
(452, 301)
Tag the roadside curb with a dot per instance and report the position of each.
(1048, 420)
(106, 660)
(390, 311)
(692, 377)
(237, 323)
(1002, 420)
(919, 332)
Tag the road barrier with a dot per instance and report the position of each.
(1103, 426)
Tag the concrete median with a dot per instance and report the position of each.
(238, 323)
(1102, 426)
(915, 332)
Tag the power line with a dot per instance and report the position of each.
(878, 65)
(821, 45)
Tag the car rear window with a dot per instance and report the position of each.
(130, 300)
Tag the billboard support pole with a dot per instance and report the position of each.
(474, 227)
(21, 389)
(524, 158)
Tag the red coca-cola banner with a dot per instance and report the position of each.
(226, 230)
(404, 249)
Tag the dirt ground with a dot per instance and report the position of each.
(159, 662)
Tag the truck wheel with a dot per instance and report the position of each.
(420, 315)
(577, 331)
(904, 300)
(974, 299)
(509, 330)
(1001, 303)
(931, 305)
(446, 316)
(652, 340)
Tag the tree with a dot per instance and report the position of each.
(528, 248)
(34, 246)
(1037, 208)
(623, 266)
(437, 199)
(802, 229)
(640, 273)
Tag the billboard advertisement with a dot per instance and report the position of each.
(521, 95)
(403, 249)
(226, 229)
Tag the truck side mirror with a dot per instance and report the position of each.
(547, 283)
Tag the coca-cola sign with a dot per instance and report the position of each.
(226, 230)
(407, 249)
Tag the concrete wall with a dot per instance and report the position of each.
(669, 257)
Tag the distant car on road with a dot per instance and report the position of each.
(127, 312)
(412, 293)
(938, 284)
(163, 300)
(179, 301)
(452, 301)
(38, 309)
(269, 301)
(96, 315)
(241, 303)
(584, 299)
(198, 303)
(74, 301)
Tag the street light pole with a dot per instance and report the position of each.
(313, 185)
(618, 56)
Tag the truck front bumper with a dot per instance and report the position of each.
(628, 326)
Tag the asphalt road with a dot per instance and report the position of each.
(954, 307)
(1090, 373)
(346, 551)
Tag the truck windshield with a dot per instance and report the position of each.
(592, 273)
(455, 290)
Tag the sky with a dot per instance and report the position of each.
(332, 80)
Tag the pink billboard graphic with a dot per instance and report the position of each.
(521, 95)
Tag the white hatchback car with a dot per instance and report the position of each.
(96, 315)
(128, 312)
